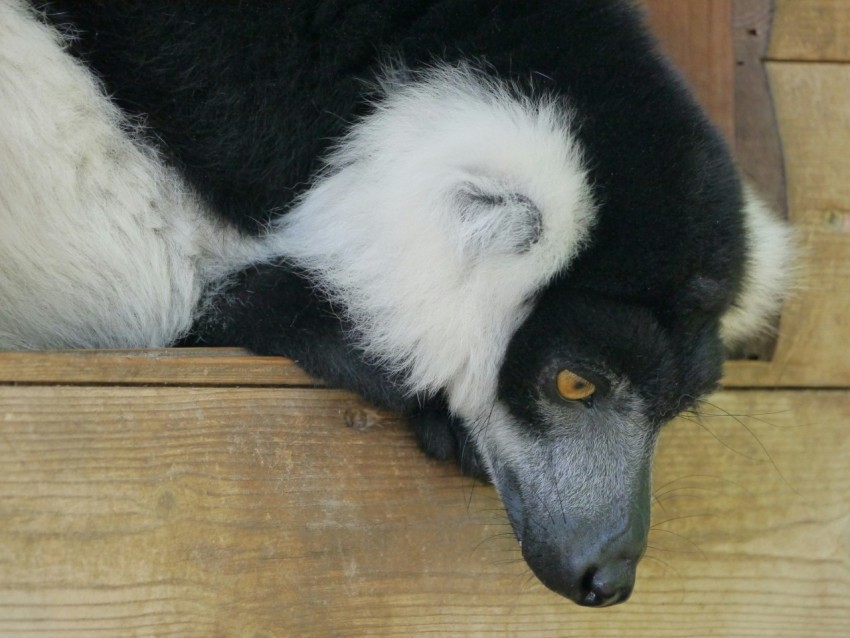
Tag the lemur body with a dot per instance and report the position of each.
(508, 220)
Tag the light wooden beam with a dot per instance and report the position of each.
(260, 512)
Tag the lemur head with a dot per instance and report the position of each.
(586, 384)
(628, 334)
(566, 282)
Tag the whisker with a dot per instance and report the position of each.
(658, 500)
(508, 561)
(704, 476)
(760, 444)
(697, 548)
(490, 538)
(697, 489)
(696, 421)
(679, 518)
(662, 562)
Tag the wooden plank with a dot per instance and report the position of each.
(698, 37)
(814, 121)
(187, 366)
(758, 147)
(812, 30)
(258, 512)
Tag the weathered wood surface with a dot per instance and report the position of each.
(812, 30)
(189, 366)
(256, 512)
(758, 147)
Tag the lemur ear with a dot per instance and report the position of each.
(494, 219)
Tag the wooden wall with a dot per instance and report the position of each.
(212, 494)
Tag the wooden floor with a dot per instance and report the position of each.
(212, 494)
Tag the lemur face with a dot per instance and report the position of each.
(585, 387)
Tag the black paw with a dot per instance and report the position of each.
(443, 437)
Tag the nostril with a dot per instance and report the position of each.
(588, 570)
(608, 585)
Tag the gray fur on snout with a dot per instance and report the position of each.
(577, 488)
(588, 457)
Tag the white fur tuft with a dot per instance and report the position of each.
(100, 244)
(436, 286)
(768, 273)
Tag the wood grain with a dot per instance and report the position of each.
(257, 512)
(758, 147)
(812, 30)
(186, 366)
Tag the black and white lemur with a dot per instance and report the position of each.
(507, 220)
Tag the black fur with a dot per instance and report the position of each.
(245, 98)
(273, 308)
(442, 436)
(603, 339)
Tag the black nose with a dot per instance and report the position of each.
(591, 579)
(607, 585)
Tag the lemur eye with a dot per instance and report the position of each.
(573, 387)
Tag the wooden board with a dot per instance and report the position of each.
(812, 30)
(257, 512)
(169, 366)
(758, 146)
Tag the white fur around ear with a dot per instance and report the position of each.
(438, 216)
(768, 272)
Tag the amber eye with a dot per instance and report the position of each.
(573, 387)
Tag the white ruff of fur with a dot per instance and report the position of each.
(434, 291)
(769, 269)
(100, 245)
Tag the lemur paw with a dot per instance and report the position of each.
(443, 437)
